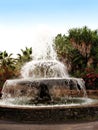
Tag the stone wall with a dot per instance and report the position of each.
(49, 115)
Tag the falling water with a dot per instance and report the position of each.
(45, 63)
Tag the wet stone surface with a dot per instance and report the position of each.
(48, 115)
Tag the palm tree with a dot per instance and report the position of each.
(8, 67)
(26, 55)
(6, 61)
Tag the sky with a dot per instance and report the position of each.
(22, 22)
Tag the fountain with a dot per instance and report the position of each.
(45, 91)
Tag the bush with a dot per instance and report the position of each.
(91, 80)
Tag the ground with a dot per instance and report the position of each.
(5, 125)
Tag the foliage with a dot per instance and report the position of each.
(7, 67)
(63, 45)
(79, 49)
(85, 40)
(77, 63)
(26, 55)
(64, 49)
(91, 80)
(10, 67)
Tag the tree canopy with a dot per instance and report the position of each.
(79, 48)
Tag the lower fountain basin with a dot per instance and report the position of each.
(46, 91)
(49, 113)
(53, 100)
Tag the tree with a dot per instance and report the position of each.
(64, 49)
(6, 61)
(84, 39)
(78, 49)
(8, 67)
(26, 55)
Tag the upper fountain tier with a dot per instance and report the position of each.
(44, 69)
(45, 63)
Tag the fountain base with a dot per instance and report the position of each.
(51, 114)
(46, 101)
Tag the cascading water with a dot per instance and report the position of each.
(43, 80)
(44, 69)
(45, 63)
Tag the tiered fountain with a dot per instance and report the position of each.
(45, 92)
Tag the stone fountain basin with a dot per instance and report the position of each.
(53, 87)
(49, 113)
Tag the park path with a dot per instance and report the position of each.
(5, 125)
